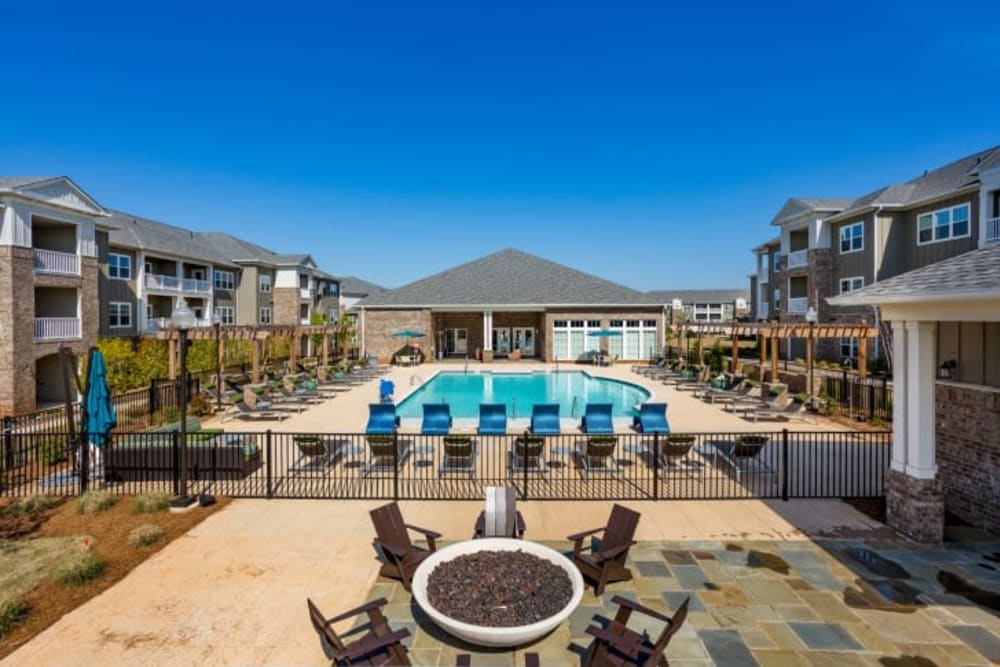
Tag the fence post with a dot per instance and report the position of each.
(784, 464)
(395, 464)
(8, 443)
(885, 398)
(524, 462)
(176, 436)
(269, 446)
(656, 466)
(870, 386)
(152, 397)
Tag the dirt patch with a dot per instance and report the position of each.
(873, 508)
(51, 600)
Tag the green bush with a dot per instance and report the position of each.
(801, 397)
(95, 501)
(86, 568)
(32, 505)
(52, 452)
(144, 535)
(12, 611)
(148, 503)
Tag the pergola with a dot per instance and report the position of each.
(257, 335)
(775, 331)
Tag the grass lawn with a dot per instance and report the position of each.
(54, 557)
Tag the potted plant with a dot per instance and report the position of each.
(601, 445)
(749, 444)
(310, 444)
(382, 445)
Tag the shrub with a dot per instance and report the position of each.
(200, 405)
(95, 501)
(87, 567)
(52, 452)
(148, 503)
(144, 535)
(12, 611)
(801, 397)
(32, 504)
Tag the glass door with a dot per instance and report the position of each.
(501, 340)
(456, 341)
(524, 340)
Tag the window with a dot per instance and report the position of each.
(852, 237)
(264, 316)
(942, 225)
(225, 313)
(265, 283)
(119, 315)
(119, 266)
(225, 280)
(560, 324)
(849, 348)
(851, 284)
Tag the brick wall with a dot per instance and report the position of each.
(915, 507)
(968, 452)
(286, 306)
(379, 325)
(17, 308)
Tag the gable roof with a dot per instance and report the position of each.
(509, 278)
(131, 231)
(16, 182)
(28, 186)
(796, 207)
(667, 297)
(353, 286)
(971, 275)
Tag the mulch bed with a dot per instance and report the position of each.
(110, 529)
(499, 588)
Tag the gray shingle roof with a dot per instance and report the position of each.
(509, 277)
(798, 206)
(974, 274)
(131, 231)
(666, 297)
(353, 286)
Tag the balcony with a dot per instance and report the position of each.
(57, 328)
(180, 285)
(305, 293)
(762, 311)
(60, 263)
(159, 323)
(798, 305)
(798, 259)
(992, 230)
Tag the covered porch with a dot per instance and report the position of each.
(489, 334)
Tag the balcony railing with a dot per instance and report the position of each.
(797, 259)
(157, 323)
(53, 261)
(175, 284)
(798, 305)
(993, 230)
(305, 293)
(57, 328)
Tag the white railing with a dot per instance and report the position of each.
(992, 230)
(798, 258)
(52, 261)
(175, 284)
(158, 323)
(798, 306)
(304, 320)
(305, 292)
(57, 328)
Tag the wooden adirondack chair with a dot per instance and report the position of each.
(607, 565)
(618, 646)
(379, 646)
(393, 541)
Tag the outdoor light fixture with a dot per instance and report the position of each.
(217, 323)
(182, 319)
(944, 372)
(811, 316)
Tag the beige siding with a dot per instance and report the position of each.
(246, 296)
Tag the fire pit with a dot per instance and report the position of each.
(497, 612)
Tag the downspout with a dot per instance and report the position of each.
(875, 264)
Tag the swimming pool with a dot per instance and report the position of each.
(572, 390)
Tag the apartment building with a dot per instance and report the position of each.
(765, 297)
(831, 247)
(710, 305)
(72, 270)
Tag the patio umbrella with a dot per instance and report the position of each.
(605, 333)
(98, 410)
(408, 334)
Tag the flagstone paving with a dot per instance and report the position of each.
(770, 603)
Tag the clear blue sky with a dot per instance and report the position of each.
(647, 143)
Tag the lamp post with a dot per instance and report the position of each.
(217, 323)
(811, 318)
(182, 319)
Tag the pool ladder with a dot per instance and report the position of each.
(415, 379)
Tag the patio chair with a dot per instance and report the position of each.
(608, 564)
(597, 454)
(287, 396)
(387, 452)
(597, 419)
(675, 451)
(527, 455)
(743, 455)
(380, 645)
(774, 411)
(617, 646)
(459, 455)
(492, 419)
(382, 418)
(652, 418)
(500, 518)
(316, 454)
(545, 419)
(437, 419)
(400, 556)
(386, 389)
(244, 411)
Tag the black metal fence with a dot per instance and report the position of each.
(777, 464)
(859, 398)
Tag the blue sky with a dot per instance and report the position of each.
(645, 142)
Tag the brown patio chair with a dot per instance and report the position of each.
(618, 646)
(380, 645)
(607, 565)
(392, 540)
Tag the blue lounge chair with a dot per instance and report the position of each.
(545, 419)
(437, 419)
(385, 390)
(492, 419)
(597, 419)
(652, 418)
(382, 419)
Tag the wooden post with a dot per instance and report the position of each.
(701, 350)
(774, 356)
(762, 338)
(862, 358)
(172, 357)
(326, 349)
(293, 350)
(809, 360)
(255, 360)
(736, 351)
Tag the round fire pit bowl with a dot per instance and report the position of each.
(482, 635)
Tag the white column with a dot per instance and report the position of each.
(140, 290)
(899, 402)
(487, 330)
(921, 362)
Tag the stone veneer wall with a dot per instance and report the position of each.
(379, 325)
(968, 452)
(915, 507)
(286, 306)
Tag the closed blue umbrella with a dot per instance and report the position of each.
(605, 333)
(100, 412)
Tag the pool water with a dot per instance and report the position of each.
(572, 390)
